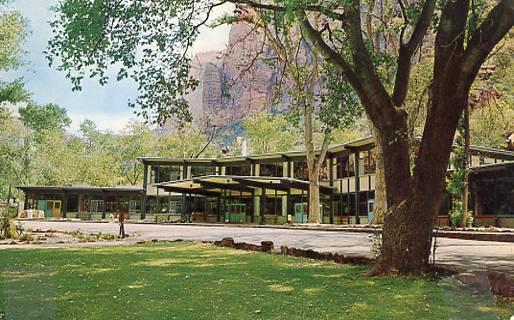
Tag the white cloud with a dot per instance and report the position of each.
(104, 121)
(217, 38)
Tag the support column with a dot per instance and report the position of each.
(26, 202)
(263, 205)
(64, 205)
(104, 199)
(190, 207)
(224, 206)
(183, 202)
(218, 207)
(357, 187)
(290, 207)
(145, 190)
(332, 208)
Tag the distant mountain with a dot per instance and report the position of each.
(234, 82)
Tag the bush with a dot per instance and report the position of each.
(456, 213)
(26, 237)
(7, 227)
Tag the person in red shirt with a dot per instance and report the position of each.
(122, 214)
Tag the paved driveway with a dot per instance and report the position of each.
(473, 255)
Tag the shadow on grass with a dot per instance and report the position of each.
(196, 281)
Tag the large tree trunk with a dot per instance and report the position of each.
(314, 199)
(407, 232)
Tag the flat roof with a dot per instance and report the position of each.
(284, 155)
(121, 189)
(290, 155)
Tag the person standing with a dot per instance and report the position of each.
(121, 219)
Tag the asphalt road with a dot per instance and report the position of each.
(472, 255)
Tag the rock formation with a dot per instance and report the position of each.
(235, 82)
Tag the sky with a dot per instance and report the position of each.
(105, 105)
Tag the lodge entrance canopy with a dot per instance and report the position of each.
(215, 185)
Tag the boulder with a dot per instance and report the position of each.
(252, 247)
(339, 258)
(267, 246)
(239, 245)
(501, 284)
(358, 260)
(227, 242)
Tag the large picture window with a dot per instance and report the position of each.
(271, 170)
(203, 171)
(301, 171)
(369, 160)
(346, 167)
(165, 173)
(239, 170)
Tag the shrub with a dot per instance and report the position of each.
(456, 213)
(7, 227)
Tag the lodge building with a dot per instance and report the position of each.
(271, 189)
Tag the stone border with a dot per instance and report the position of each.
(268, 247)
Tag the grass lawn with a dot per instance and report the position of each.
(197, 281)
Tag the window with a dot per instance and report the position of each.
(239, 170)
(168, 173)
(97, 206)
(301, 171)
(369, 160)
(134, 205)
(346, 167)
(342, 167)
(323, 173)
(273, 205)
(271, 170)
(203, 171)
(159, 174)
(351, 165)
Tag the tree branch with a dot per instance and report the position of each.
(498, 22)
(332, 13)
(328, 52)
(408, 49)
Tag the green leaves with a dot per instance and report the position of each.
(44, 117)
(147, 41)
(13, 92)
(268, 133)
(13, 31)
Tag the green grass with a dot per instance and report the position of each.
(197, 281)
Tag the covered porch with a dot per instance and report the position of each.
(247, 199)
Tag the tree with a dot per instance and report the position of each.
(48, 117)
(414, 198)
(268, 133)
(13, 31)
(186, 142)
(117, 31)
(135, 140)
(318, 96)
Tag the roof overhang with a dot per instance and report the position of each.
(244, 185)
